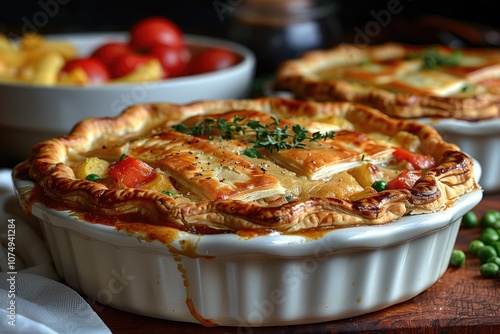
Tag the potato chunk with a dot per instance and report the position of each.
(341, 185)
(92, 165)
(366, 174)
(160, 183)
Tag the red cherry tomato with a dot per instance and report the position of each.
(213, 59)
(96, 71)
(173, 60)
(155, 30)
(128, 63)
(110, 52)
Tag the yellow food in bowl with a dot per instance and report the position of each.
(37, 60)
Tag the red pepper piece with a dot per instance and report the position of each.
(419, 161)
(405, 180)
(131, 172)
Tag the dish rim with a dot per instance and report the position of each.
(277, 245)
(479, 127)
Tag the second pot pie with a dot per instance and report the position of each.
(266, 165)
(401, 80)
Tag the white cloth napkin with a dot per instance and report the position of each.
(31, 298)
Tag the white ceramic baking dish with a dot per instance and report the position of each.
(260, 281)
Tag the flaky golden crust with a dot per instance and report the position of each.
(49, 167)
(303, 77)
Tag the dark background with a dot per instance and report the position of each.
(417, 21)
(200, 16)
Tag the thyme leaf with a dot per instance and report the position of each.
(431, 58)
(269, 136)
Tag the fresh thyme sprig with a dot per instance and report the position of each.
(269, 136)
(432, 58)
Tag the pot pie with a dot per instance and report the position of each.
(258, 165)
(400, 80)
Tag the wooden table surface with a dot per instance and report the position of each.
(460, 302)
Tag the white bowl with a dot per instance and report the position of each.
(30, 114)
(261, 281)
(479, 139)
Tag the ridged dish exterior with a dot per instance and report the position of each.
(262, 281)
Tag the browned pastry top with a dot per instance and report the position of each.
(402, 81)
(206, 182)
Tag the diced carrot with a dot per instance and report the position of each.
(131, 172)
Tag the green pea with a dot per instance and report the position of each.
(470, 220)
(485, 252)
(474, 246)
(489, 270)
(496, 225)
(379, 185)
(169, 193)
(92, 177)
(489, 218)
(489, 230)
(489, 235)
(495, 260)
(496, 245)
(457, 258)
